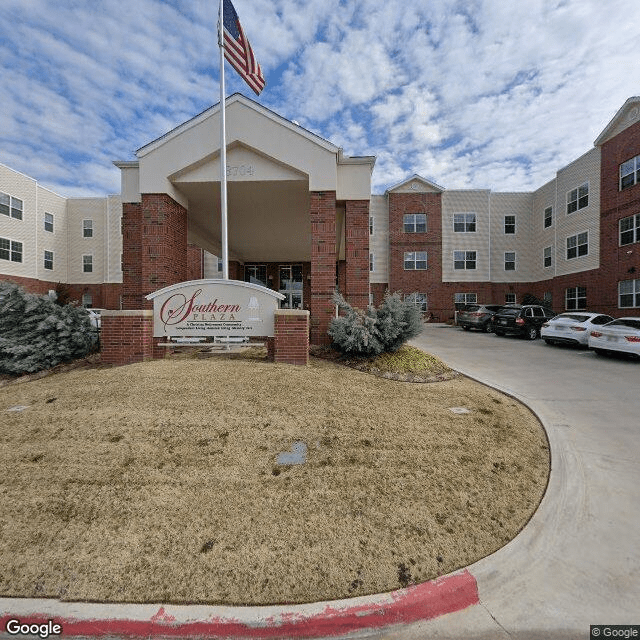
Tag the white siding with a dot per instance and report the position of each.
(379, 242)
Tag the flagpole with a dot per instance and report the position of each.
(223, 151)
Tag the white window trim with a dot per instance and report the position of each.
(636, 168)
(53, 222)
(515, 224)
(544, 217)
(415, 260)
(410, 297)
(415, 222)
(465, 251)
(91, 227)
(468, 298)
(87, 255)
(635, 293)
(372, 225)
(11, 242)
(577, 189)
(45, 260)
(636, 228)
(544, 257)
(575, 290)
(515, 261)
(575, 235)
(372, 262)
(465, 213)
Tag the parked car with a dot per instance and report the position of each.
(620, 336)
(477, 316)
(572, 328)
(523, 320)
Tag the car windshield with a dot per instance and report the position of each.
(508, 311)
(572, 316)
(625, 322)
(471, 307)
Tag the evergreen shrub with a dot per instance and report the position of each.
(374, 331)
(36, 333)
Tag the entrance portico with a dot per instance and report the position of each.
(296, 208)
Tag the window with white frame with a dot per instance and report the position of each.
(415, 222)
(256, 273)
(510, 298)
(630, 229)
(417, 299)
(371, 225)
(547, 259)
(464, 222)
(10, 250)
(578, 198)
(87, 264)
(509, 224)
(509, 260)
(578, 245)
(48, 222)
(10, 206)
(87, 300)
(370, 299)
(465, 298)
(629, 294)
(48, 260)
(548, 217)
(372, 262)
(415, 260)
(87, 228)
(575, 298)
(464, 260)
(630, 173)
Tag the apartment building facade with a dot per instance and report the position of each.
(303, 221)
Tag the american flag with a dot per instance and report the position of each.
(238, 52)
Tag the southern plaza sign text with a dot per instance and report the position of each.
(214, 308)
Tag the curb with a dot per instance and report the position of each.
(420, 602)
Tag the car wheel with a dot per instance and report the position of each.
(531, 333)
(601, 352)
(466, 328)
(486, 328)
(499, 333)
(549, 341)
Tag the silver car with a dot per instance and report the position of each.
(477, 316)
(573, 327)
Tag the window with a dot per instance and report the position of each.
(548, 217)
(415, 260)
(509, 260)
(547, 257)
(509, 224)
(48, 222)
(256, 273)
(510, 298)
(578, 198)
(465, 298)
(630, 229)
(87, 300)
(371, 225)
(464, 222)
(547, 299)
(219, 265)
(464, 259)
(418, 299)
(372, 264)
(415, 222)
(87, 264)
(48, 260)
(578, 245)
(575, 298)
(10, 206)
(87, 228)
(10, 250)
(630, 173)
(629, 294)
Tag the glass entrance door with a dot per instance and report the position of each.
(291, 286)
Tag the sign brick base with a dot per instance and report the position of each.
(291, 336)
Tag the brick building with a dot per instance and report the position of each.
(302, 220)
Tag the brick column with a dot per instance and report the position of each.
(291, 336)
(127, 337)
(322, 210)
(132, 255)
(357, 252)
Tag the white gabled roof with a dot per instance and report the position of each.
(630, 112)
(416, 178)
(251, 104)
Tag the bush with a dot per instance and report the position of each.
(374, 331)
(37, 334)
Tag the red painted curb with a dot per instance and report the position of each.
(421, 602)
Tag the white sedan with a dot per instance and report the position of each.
(620, 336)
(573, 327)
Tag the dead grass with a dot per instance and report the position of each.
(159, 481)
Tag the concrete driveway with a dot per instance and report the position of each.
(577, 562)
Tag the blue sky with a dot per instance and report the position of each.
(471, 94)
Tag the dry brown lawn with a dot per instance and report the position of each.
(159, 481)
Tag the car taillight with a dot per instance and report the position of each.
(632, 338)
(578, 329)
(477, 314)
(596, 334)
(519, 320)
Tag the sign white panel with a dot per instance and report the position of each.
(214, 308)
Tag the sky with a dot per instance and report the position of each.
(491, 94)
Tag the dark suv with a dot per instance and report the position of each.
(524, 320)
(477, 316)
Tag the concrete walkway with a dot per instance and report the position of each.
(576, 563)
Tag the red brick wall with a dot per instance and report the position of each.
(617, 262)
(357, 252)
(322, 210)
(126, 338)
(291, 337)
(131, 255)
